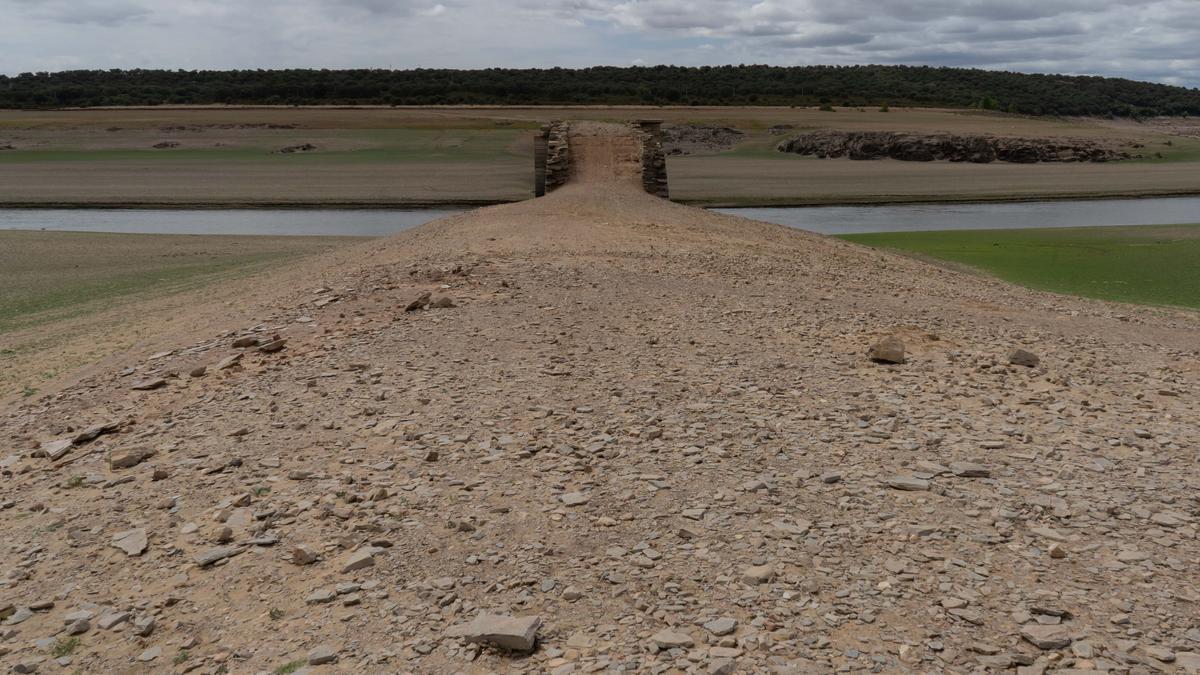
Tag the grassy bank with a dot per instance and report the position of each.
(48, 276)
(1153, 265)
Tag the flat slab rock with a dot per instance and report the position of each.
(133, 542)
(908, 483)
(1046, 637)
(574, 499)
(360, 559)
(217, 554)
(669, 639)
(53, 450)
(508, 632)
(127, 458)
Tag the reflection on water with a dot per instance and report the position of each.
(915, 217)
(824, 219)
(344, 222)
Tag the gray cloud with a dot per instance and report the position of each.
(96, 12)
(1152, 39)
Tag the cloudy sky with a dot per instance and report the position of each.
(1143, 39)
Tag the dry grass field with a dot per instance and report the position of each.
(69, 293)
(398, 156)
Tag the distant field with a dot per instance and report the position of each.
(49, 276)
(397, 156)
(1155, 265)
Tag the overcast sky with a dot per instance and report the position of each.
(1143, 39)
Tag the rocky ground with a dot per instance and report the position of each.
(693, 139)
(976, 149)
(599, 432)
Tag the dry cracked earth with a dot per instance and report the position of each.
(599, 432)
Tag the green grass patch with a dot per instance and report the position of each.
(1180, 150)
(47, 276)
(290, 667)
(1153, 265)
(56, 301)
(64, 647)
(333, 146)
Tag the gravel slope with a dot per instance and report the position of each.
(653, 427)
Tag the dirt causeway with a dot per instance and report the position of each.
(649, 434)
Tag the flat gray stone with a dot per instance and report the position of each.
(574, 499)
(508, 632)
(758, 574)
(908, 483)
(217, 554)
(322, 655)
(53, 450)
(970, 470)
(360, 559)
(127, 458)
(132, 542)
(1046, 637)
(321, 596)
(722, 626)
(669, 639)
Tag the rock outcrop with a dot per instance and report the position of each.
(687, 139)
(552, 158)
(911, 147)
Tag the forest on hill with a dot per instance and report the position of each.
(1033, 94)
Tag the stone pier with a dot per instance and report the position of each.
(552, 157)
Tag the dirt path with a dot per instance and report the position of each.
(653, 427)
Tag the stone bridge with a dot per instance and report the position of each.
(552, 157)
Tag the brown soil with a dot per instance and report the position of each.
(638, 417)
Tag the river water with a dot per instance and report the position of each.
(342, 222)
(824, 219)
(1008, 215)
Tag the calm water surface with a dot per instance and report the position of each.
(824, 219)
(345, 222)
(916, 217)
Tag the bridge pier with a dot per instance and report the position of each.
(654, 160)
(552, 157)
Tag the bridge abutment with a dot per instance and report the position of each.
(552, 157)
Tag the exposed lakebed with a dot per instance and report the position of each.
(827, 219)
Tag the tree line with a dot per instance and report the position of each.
(655, 85)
